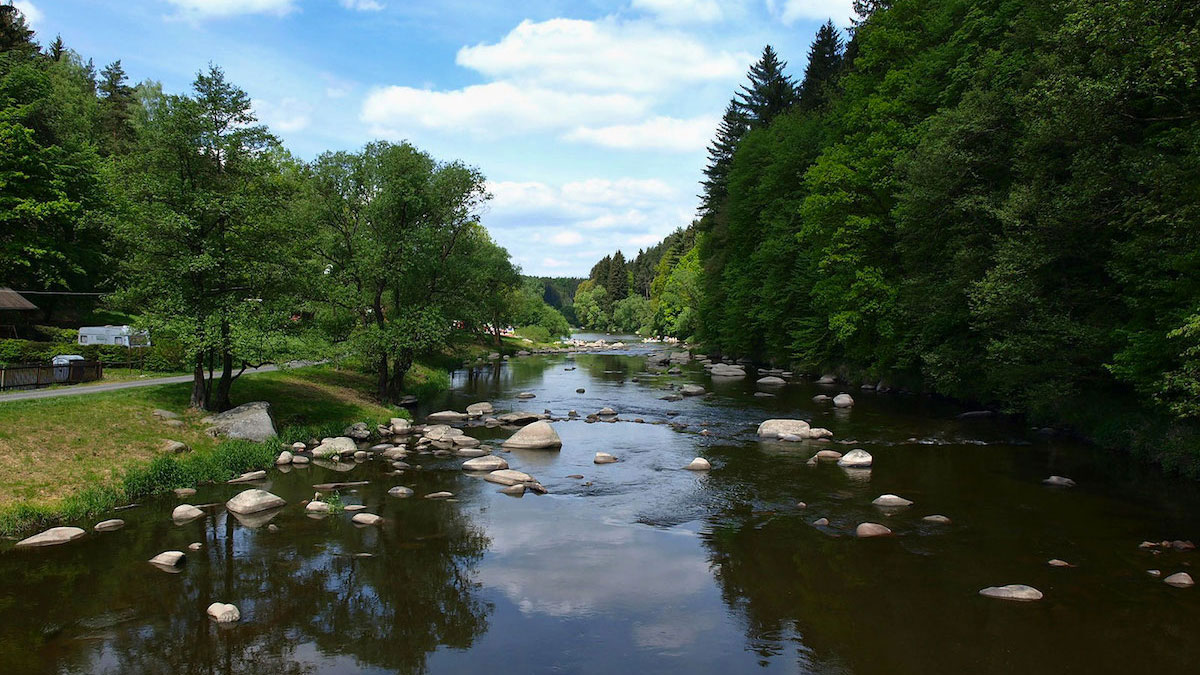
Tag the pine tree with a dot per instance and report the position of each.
(720, 155)
(57, 49)
(618, 279)
(770, 92)
(15, 34)
(599, 273)
(824, 64)
(117, 107)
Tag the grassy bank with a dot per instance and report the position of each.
(63, 459)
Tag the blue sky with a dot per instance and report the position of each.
(590, 118)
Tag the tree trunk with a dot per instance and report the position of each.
(382, 369)
(199, 390)
(400, 368)
(221, 400)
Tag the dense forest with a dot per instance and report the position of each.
(189, 215)
(994, 200)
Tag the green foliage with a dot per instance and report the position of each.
(161, 357)
(632, 315)
(424, 381)
(590, 300)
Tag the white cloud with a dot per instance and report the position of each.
(658, 133)
(289, 115)
(491, 110)
(682, 11)
(566, 238)
(790, 11)
(221, 8)
(605, 55)
(33, 15)
(362, 5)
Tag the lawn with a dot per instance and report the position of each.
(53, 449)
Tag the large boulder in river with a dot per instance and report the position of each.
(339, 445)
(249, 421)
(783, 427)
(253, 501)
(480, 409)
(52, 536)
(537, 436)
(856, 459)
(843, 401)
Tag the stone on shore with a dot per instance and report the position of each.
(52, 537)
(400, 492)
(891, 501)
(856, 459)
(603, 458)
(366, 519)
(249, 421)
(253, 501)
(109, 525)
(508, 477)
(536, 436)
(699, 464)
(485, 463)
(285, 457)
(223, 612)
(186, 512)
(174, 447)
(1014, 592)
(843, 401)
(866, 530)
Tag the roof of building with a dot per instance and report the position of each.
(12, 300)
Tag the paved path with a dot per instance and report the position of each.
(109, 386)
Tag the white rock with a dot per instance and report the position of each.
(827, 379)
(109, 525)
(168, 559)
(285, 457)
(691, 390)
(1059, 481)
(223, 612)
(771, 381)
(603, 458)
(781, 427)
(1180, 580)
(253, 501)
(1016, 592)
(249, 477)
(439, 495)
(249, 421)
(366, 519)
(338, 445)
(508, 477)
(400, 492)
(856, 459)
(317, 507)
(827, 455)
(516, 490)
(539, 435)
(51, 537)
(699, 464)
(843, 401)
(399, 425)
(865, 530)
(940, 520)
(186, 512)
(480, 409)
(526, 394)
(446, 416)
(485, 463)
(891, 500)
(607, 412)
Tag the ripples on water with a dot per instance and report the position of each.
(641, 566)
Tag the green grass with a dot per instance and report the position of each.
(65, 458)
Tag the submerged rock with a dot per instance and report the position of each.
(692, 390)
(827, 455)
(52, 537)
(537, 436)
(400, 492)
(109, 525)
(1015, 592)
(519, 417)
(249, 477)
(526, 395)
(516, 490)
(843, 401)
(938, 519)
(366, 519)
(253, 501)
(1055, 562)
(771, 381)
(603, 458)
(169, 561)
(186, 512)
(184, 492)
(699, 464)
(1059, 481)
(439, 495)
(223, 612)
(821, 522)
(606, 412)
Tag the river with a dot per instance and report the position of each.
(641, 566)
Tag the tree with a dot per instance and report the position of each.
(117, 110)
(632, 315)
(15, 34)
(207, 259)
(720, 155)
(57, 49)
(618, 279)
(824, 64)
(769, 93)
(589, 306)
(391, 228)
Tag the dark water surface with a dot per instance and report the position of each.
(642, 566)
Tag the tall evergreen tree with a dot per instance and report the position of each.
(57, 48)
(720, 156)
(618, 278)
(824, 63)
(15, 34)
(770, 92)
(118, 103)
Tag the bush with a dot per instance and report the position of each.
(535, 333)
(164, 357)
(424, 382)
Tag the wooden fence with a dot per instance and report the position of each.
(34, 376)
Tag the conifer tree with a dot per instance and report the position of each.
(770, 91)
(618, 280)
(15, 34)
(57, 49)
(117, 107)
(720, 155)
(824, 64)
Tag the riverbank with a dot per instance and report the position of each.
(66, 458)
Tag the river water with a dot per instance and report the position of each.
(641, 566)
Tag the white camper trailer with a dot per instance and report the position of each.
(113, 335)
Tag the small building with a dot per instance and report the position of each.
(14, 310)
(113, 335)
